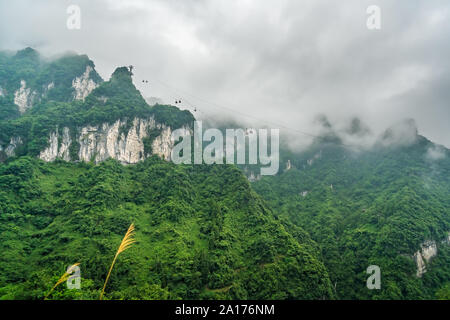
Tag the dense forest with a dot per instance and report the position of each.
(206, 231)
(201, 232)
(370, 208)
(115, 99)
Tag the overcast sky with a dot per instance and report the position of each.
(279, 61)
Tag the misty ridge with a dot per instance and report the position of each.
(353, 134)
(113, 123)
(287, 61)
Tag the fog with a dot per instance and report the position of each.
(281, 64)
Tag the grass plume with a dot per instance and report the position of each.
(127, 241)
(63, 278)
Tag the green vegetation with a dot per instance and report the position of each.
(201, 233)
(111, 100)
(39, 73)
(127, 241)
(375, 207)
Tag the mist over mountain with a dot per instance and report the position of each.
(82, 157)
(279, 62)
(387, 206)
(66, 195)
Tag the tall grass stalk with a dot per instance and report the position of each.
(127, 241)
(63, 278)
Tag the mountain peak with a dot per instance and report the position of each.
(403, 133)
(120, 86)
(122, 73)
(27, 53)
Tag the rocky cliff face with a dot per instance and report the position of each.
(83, 85)
(11, 147)
(58, 146)
(23, 97)
(427, 251)
(125, 142)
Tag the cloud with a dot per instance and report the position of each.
(435, 152)
(403, 133)
(276, 63)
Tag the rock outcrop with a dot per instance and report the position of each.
(57, 148)
(120, 140)
(253, 177)
(83, 85)
(11, 147)
(47, 88)
(23, 97)
(288, 165)
(162, 145)
(427, 251)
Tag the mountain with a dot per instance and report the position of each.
(27, 79)
(202, 233)
(106, 120)
(77, 169)
(82, 158)
(387, 205)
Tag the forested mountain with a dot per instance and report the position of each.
(93, 120)
(387, 206)
(27, 79)
(82, 158)
(201, 231)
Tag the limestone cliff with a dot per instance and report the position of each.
(427, 251)
(57, 148)
(126, 142)
(23, 97)
(10, 148)
(83, 84)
